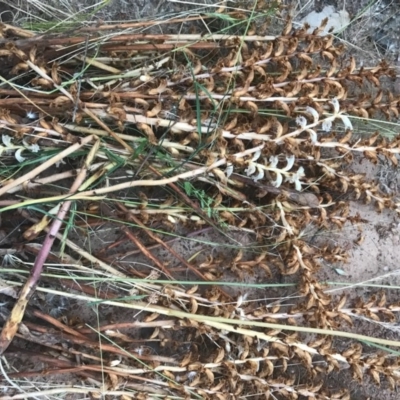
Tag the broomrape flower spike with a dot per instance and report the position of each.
(34, 148)
(346, 122)
(280, 173)
(256, 155)
(336, 105)
(313, 135)
(9, 146)
(31, 115)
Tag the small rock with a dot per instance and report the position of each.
(336, 19)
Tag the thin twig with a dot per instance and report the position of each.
(105, 127)
(196, 271)
(134, 239)
(58, 324)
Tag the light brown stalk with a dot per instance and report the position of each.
(127, 325)
(123, 26)
(41, 73)
(58, 324)
(106, 128)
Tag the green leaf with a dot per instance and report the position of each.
(188, 188)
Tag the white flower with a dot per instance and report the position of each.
(260, 174)
(34, 148)
(295, 178)
(114, 363)
(58, 163)
(250, 169)
(31, 115)
(336, 105)
(191, 375)
(145, 78)
(229, 170)
(301, 121)
(240, 300)
(278, 181)
(171, 219)
(256, 155)
(6, 140)
(290, 162)
(18, 156)
(273, 161)
(313, 136)
(346, 121)
(327, 124)
(313, 112)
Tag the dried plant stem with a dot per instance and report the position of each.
(127, 325)
(132, 237)
(194, 40)
(48, 78)
(48, 372)
(155, 246)
(18, 31)
(160, 47)
(69, 390)
(123, 26)
(138, 243)
(88, 194)
(58, 324)
(93, 344)
(41, 342)
(43, 181)
(12, 324)
(107, 129)
(196, 271)
(98, 64)
(193, 205)
(231, 325)
(109, 270)
(47, 164)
